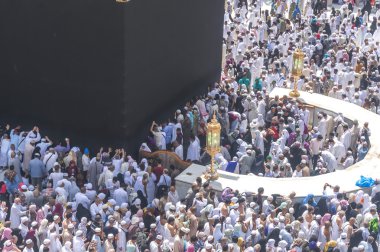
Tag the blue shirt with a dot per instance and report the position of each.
(168, 133)
(36, 168)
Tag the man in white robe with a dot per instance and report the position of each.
(330, 160)
(322, 126)
(78, 242)
(346, 137)
(349, 160)
(193, 152)
(337, 149)
(16, 212)
(178, 149)
(5, 146)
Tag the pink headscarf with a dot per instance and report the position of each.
(190, 248)
(40, 215)
(325, 218)
(140, 214)
(7, 234)
(8, 248)
(343, 203)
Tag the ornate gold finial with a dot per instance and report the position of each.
(213, 144)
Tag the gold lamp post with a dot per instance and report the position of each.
(213, 145)
(297, 68)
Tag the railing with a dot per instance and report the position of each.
(167, 157)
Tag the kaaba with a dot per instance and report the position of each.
(100, 71)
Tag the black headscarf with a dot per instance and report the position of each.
(275, 235)
(322, 208)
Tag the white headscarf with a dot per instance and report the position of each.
(55, 244)
(67, 247)
(359, 196)
(144, 147)
(218, 232)
(145, 161)
(366, 202)
(128, 180)
(259, 141)
(139, 185)
(283, 139)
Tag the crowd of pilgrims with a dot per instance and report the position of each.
(57, 197)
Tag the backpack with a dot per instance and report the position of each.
(374, 226)
(141, 239)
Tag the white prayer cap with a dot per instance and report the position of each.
(291, 210)
(110, 236)
(159, 237)
(24, 219)
(34, 223)
(183, 229)
(47, 241)
(124, 205)
(141, 225)
(112, 202)
(24, 187)
(31, 188)
(210, 238)
(153, 226)
(8, 243)
(88, 186)
(101, 196)
(201, 234)
(343, 235)
(209, 246)
(178, 111)
(55, 217)
(29, 241)
(97, 230)
(79, 233)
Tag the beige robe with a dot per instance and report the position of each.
(27, 157)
